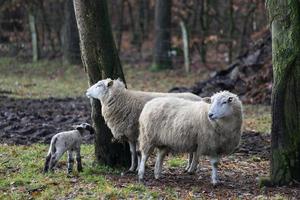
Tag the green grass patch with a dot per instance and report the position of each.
(21, 177)
(177, 161)
(257, 118)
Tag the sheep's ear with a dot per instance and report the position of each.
(110, 83)
(230, 99)
(206, 99)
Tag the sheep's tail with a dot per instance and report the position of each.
(52, 148)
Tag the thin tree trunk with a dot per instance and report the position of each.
(285, 147)
(162, 58)
(185, 39)
(101, 60)
(231, 29)
(34, 36)
(120, 20)
(71, 49)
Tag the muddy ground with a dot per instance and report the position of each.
(27, 121)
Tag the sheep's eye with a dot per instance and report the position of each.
(230, 99)
(224, 102)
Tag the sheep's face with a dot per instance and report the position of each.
(98, 90)
(221, 105)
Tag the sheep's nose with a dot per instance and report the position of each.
(210, 115)
(88, 94)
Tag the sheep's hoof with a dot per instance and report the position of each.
(142, 181)
(216, 184)
(191, 172)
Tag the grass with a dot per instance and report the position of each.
(21, 177)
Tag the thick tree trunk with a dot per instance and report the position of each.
(285, 160)
(71, 49)
(162, 58)
(101, 60)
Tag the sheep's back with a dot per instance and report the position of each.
(171, 122)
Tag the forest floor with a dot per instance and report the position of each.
(38, 100)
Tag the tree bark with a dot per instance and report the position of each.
(71, 49)
(162, 58)
(101, 60)
(285, 146)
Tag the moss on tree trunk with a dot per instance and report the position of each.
(100, 58)
(285, 158)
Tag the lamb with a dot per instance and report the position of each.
(172, 124)
(67, 141)
(121, 109)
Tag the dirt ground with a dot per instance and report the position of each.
(27, 121)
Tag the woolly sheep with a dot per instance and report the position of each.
(178, 125)
(69, 141)
(121, 109)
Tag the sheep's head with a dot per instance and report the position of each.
(102, 89)
(98, 90)
(223, 104)
(84, 126)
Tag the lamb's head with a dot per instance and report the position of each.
(224, 104)
(103, 89)
(84, 127)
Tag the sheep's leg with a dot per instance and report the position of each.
(48, 158)
(159, 162)
(139, 160)
(214, 161)
(78, 160)
(189, 162)
(132, 146)
(145, 154)
(55, 158)
(70, 161)
(194, 163)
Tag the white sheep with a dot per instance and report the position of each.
(178, 125)
(69, 141)
(121, 109)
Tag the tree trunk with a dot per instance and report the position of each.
(71, 49)
(285, 147)
(186, 48)
(101, 60)
(34, 36)
(119, 27)
(231, 29)
(162, 58)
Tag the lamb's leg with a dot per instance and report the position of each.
(70, 161)
(159, 162)
(78, 160)
(214, 161)
(194, 163)
(48, 158)
(55, 158)
(145, 154)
